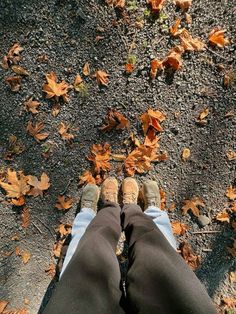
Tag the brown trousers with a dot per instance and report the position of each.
(158, 279)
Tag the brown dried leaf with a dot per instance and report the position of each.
(192, 205)
(152, 119)
(129, 68)
(38, 186)
(156, 65)
(32, 105)
(15, 147)
(18, 202)
(25, 257)
(86, 177)
(63, 202)
(51, 270)
(16, 185)
(189, 43)
(231, 193)
(57, 248)
(14, 82)
(187, 253)
(118, 157)
(86, 69)
(34, 130)
(183, 4)
(163, 199)
(19, 70)
(232, 277)
(230, 302)
(216, 38)
(55, 90)
(231, 155)
(17, 251)
(178, 227)
(12, 57)
(229, 78)
(185, 154)
(188, 18)
(173, 59)
(100, 156)
(56, 108)
(119, 4)
(202, 117)
(223, 216)
(174, 29)
(114, 120)
(25, 216)
(101, 77)
(64, 230)
(63, 131)
(156, 5)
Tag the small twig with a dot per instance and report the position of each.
(207, 250)
(218, 55)
(46, 227)
(40, 231)
(207, 231)
(66, 187)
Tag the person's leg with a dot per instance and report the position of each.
(158, 279)
(91, 281)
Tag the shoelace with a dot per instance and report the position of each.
(129, 196)
(152, 201)
(108, 195)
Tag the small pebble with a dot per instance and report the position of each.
(203, 220)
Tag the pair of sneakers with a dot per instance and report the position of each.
(130, 189)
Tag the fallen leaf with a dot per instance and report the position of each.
(232, 250)
(187, 253)
(78, 81)
(38, 186)
(114, 120)
(19, 70)
(185, 154)
(15, 238)
(216, 38)
(223, 216)
(101, 77)
(233, 224)
(232, 207)
(17, 251)
(189, 43)
(202, 117)
(55, 110)
(13, 56)
(183, 4)
(152, 118)
(174, 29)
(57, 248)
(34, 130)
(188, 18)
(172, 207)
(229, 114)
(231, 155)
(3, 305)
(229, 77)
(173, 59)
(231, 193)
(51, 270)
(129, 68)
(64, 230)
(86, 178)
(163, 199)
(230, 302)
(156, 5)
(192, 205)
(178, 227)
(100, 157)
(26, 301)
(18, 202)
(25, 257)
(63, 131)
(15, 147)
(55, 90)
(25, 217)
(86, 69)
(16, 185)
(42, 58)
(64, 203)
(14, 82)
(156, 65)
(32, 105)
(232, 277)
(119, 4)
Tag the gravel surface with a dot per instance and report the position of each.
(65, 31)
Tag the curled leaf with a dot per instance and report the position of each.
(114, 120)
(14, 82)
(183, 4)
(156, 65)
(152, 118)
(101, 77)
(216, 38)
(223, 216)
(156, 5)
(64, 203)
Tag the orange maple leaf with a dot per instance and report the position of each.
(183, 4)
(155, 66)
(173, 59)
(63, 131)
(192, 205)
(101, 77)
(55, 90)
(64, 203)
(100, 156)
(38, 186)
(216, 38)
(32, 105)
(178, 227)
(86, 177)
(114, 120)
(222, 216)
(156, 5)
(119, 4)
(152, 118)
(231, 193)
(189, 43)
(34, 130)
(174, 28)
(187, 253)
(16, 185)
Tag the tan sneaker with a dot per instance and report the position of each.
(151, 194)
(109, 190)
(130, 191)
(90, 196)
